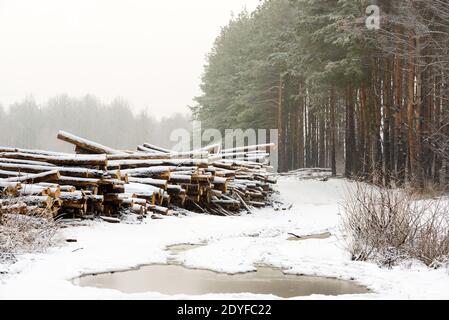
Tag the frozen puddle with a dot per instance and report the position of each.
(319, 236)
(175, 279)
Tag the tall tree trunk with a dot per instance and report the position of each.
(364, 136)
(400, 150)
(419, 112)
(436, 126)
(333, 132)
(427, 115)
(322, 143)
(308, 131)
(411, 108)
(295, 140)
(387, 103)
(377, 123)
(302, 108)
(350, 144)
(281, 134)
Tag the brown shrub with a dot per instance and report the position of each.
(388, 225)
(20, 234)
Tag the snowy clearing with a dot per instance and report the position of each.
(234, 245)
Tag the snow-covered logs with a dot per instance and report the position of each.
(100, 181)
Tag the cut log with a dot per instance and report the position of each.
(30, 162)
(67, 171)
(37, 178)
(139, 209)
(201, 178)
(175, 190)
(243, 203)
(40, 152)
(86, 144)
(160, 210)
(156, 148)
(76, 196)
(239, 156)
(63, 188)
(152, 182)
(261, 147)
(151, 172)
(150, 151)
(79, 150)
(142, 189)
(257, 204)
(110, 219)
(9, 174)
(75, 160)
(24, 209)
(226, 202)
(77, 182)
(132, 164)
(38, 190)
(177, 178)
(39, 201)
(95, 198)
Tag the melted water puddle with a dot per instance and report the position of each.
(175, 279)
(318, 236)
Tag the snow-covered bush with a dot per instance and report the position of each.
(388, 225)
(431, 242)
(21, 234)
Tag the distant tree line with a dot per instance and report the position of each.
(375, 102)
(26, 124)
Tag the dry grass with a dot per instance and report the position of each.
(388, 225)
(20, 234)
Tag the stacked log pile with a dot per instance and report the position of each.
(100, 181)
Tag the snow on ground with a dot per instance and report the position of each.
(234, 244)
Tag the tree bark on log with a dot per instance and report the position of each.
(86, 144)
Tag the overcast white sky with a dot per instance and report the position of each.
(150, 52)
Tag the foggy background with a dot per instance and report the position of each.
(142, 57)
